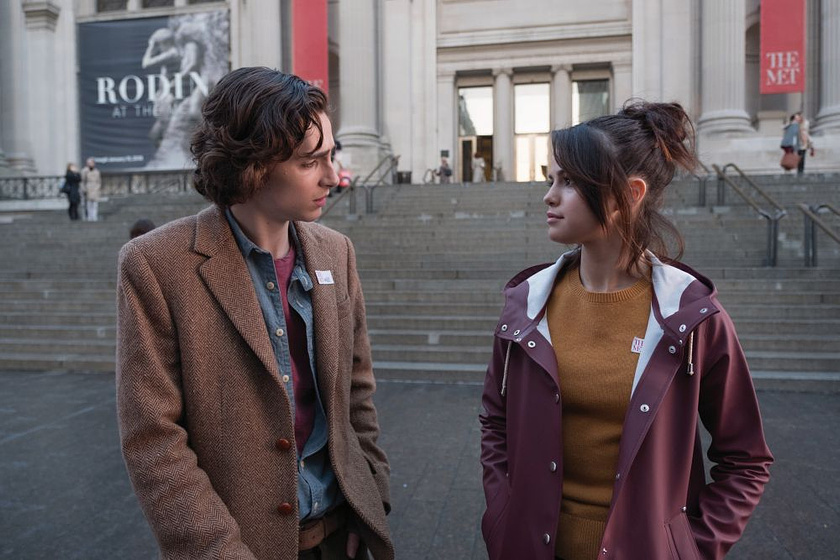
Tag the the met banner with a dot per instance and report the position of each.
(141, 86)
(782, 46)
(309, 42)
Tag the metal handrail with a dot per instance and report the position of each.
(721, 191)
(772, 219)
(812, 222)
(340, 197)
(393, 161)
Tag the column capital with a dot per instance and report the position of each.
(499, 71)
(567, 68)
(41, 14)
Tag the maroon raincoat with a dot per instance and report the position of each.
(691, 369)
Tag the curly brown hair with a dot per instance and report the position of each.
(253, 119)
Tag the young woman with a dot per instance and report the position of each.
(72, 179)
(605, 363)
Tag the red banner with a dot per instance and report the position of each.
(309, 42)
(782, 46)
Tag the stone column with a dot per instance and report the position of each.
(14, 92)
(622, 84)
(503, 124)
(446, 96)
(41, 19)
(828, 119)
(561, 96)
(359, 83)
(723, 51)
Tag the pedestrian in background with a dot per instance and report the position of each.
(791, 143)
(72, 179)
(244, 375)
(805, 144)
(605, 363)
(92, 189)
(478, 166)
(141, 227)
(444, 171)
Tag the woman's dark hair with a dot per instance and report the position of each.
(646, 140)
(253, 119)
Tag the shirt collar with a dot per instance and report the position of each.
(246, 247)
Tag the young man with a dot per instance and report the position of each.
(244, 378)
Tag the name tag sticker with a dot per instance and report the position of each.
(637, 345)
(324, 276)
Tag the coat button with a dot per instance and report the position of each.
(546, 538)
(504, 328)
(557, 397)
(285, 379)
(283, 444)
(531, 344)
(682, 328)
(644, 408)
(285, 508)
(672, 349)
(552, 466)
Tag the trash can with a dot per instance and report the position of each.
(403, 177)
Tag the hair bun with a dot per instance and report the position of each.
(670, 126)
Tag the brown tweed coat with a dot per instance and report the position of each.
(200, 403)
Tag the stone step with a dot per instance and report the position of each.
(58, 332)
(68, 362)
(103, 348)
(89, 318)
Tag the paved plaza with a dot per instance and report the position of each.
(64, 493)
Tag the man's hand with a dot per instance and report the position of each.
(353, 542)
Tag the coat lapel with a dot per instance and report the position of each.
(319, 257)
(226, 276)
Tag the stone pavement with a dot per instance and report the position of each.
(64, 493)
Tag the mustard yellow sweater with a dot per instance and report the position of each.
(593, 338)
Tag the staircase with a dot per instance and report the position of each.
(433, 260)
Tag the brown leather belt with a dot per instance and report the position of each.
(312, 533)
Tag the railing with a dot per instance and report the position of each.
(386, 169)
(113, 184)
(812, 222)
(344, 193)
(772, 216)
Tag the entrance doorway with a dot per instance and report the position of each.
(483, 146)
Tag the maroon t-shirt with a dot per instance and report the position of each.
(302, 380)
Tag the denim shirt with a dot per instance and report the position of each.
(317, 486)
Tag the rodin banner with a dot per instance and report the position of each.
(141, 86)
(782, 46)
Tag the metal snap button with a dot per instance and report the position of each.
(644, 408)
(672, 349)
(682, 328)
(504, 328)
(516, 332)
(704, 310)
(531, 344)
